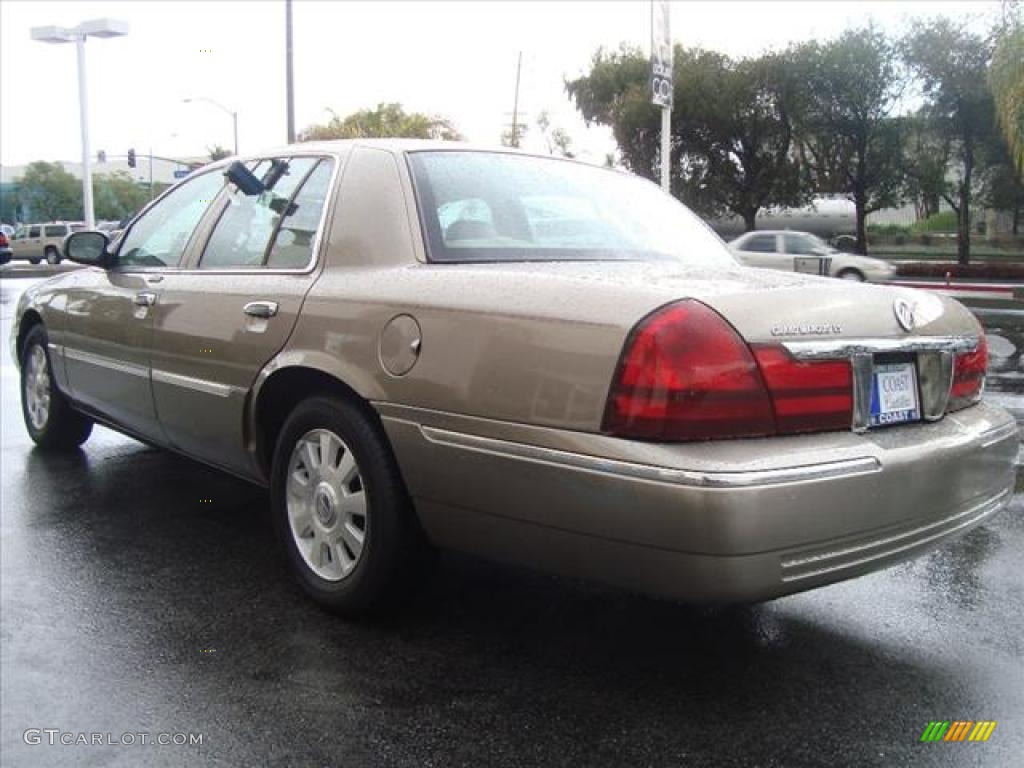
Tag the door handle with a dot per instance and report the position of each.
(144, 299)
(262, 309)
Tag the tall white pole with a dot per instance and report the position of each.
(83, 105)
(666, 147)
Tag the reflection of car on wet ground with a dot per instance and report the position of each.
(35, 242)
(776, 249)
(409, 352)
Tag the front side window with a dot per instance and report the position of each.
(159, 238)
(495, 206)
(33, 232)
(800, 245)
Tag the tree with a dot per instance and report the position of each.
(951, 64)
(557, 140)
(1006, 78)
(841, 96)
(386, 121)
(49, 193)
(117, 195)
(732, 135)
(731, 138)
(616, 93)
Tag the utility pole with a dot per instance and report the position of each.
(289, 82)
(515, 103)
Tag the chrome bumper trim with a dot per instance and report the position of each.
(821, 349)
(830, 561)
(998, 434)
(685, 477)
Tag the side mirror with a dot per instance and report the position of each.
(89, 248)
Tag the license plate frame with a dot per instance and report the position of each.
(895, 392)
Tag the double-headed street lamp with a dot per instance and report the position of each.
(77, 35)
(222, 108)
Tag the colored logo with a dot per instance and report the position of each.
(958, 730)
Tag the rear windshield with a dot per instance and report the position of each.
(494, 206)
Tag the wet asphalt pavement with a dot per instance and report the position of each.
(128, 605)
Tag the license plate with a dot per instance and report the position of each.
(894, 398)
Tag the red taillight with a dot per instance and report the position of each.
(3, 240)
(968, 376)
(685, 374)
(808, 396)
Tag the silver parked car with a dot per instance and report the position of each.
(523, 357)
(776, 249)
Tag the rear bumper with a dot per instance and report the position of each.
(727, 521)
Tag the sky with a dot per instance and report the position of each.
(455, 59)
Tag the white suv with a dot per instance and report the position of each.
(35, 242)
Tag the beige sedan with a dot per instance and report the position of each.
(535, 360)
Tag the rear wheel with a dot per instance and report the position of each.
(341, 508)
(52, 255)
(852, 274)
(51, 421)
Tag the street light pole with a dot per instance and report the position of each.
(77, 35)
(83, 116)
(289, 67)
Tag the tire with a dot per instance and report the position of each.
(318, 520)
(49, 418)
(34, 261)
(851, 274)
(52, 255)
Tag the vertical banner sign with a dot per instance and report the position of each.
(661, 55)
(661, 82)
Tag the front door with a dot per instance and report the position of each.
(108, 334)
(221, 320)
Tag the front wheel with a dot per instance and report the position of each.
(851, 274)
(51, 421)
(341, 508)
(52, 256)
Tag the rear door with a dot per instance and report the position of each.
(220, 320)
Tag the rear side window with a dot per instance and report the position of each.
(55, 230)
(33, 231)
(275, 228)
(760, 244)
(293, 246)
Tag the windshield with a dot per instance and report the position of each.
(493, 206)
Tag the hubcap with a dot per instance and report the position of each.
(37, 387)
(327, 510)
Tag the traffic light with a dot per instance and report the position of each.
(101, 156)
(131, 158)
